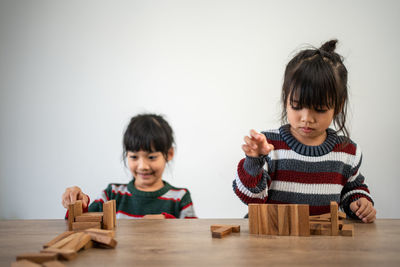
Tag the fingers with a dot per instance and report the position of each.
(256, 144)
(364, 210)
(70, 196)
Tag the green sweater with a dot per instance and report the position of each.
(132, 203)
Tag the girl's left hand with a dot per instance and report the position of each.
(364, 209)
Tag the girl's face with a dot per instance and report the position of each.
(309, 126)
(147, 168)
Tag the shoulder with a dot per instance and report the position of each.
(272, 135)
(346, 145)
(117, 188)
(177, 193)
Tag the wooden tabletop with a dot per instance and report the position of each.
(189, 243)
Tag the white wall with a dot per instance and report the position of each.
(72, 73)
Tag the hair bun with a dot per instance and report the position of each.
(329, 46)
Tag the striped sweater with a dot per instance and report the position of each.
(132, 203)
(299, 174)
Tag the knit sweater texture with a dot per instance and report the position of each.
(294, 173)
(132, 203)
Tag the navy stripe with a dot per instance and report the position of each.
(299, 198)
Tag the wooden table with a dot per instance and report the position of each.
(189, 243)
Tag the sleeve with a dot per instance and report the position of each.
(97, 205)
(355, 187)
(186, 207)
(252, 180)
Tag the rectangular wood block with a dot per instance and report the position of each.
(262, 219)
(235, 228)
(76, 226)
(78, 208)
(347, 230)
(293, 220)
(58, 238)
(114, 212)
(53, 264)
(283, 219)
(83, 218)
(61, 243)
(24, 263)
(109, 233)
(79, 241)
(273, 224)
(104, 240)
(334, 218)
(253, 218)
(304, 219)
(37, 257)
(65, 254)
(221, 232)
(108, 217)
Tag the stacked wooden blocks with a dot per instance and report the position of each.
(278, 219)
(294, 220)
(77, 220)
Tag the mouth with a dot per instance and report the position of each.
(306, 129)
(145, 175)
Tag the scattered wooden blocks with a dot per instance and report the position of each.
(24, 263)
(222, 230)
(294, 220)
(37, 257)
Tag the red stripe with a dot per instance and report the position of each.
(128, 214)
(106, 195)
(122, 193)
(350, 148)
(178, 190)
(168, 216)
(279, 145)
(99, 200)
(309, 178)
(249, 200)
(246, 179)
(172, 199)
(188, 205)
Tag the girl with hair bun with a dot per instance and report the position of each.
(307, 162)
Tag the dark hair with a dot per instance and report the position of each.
(317, 78)
(148, 132)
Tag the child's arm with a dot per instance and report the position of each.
(355, 197)
(186, 207)
(251, 180)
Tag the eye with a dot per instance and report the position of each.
(133, 157)
(152, 157)
(294, 107)
(318, 110)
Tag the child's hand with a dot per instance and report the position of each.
(73, 194)
(256, 145)
(364, 209)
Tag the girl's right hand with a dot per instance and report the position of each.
(256, 145)
(72, 194)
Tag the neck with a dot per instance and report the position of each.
(149, 188)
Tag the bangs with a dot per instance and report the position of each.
(147, 136)
(313, 85)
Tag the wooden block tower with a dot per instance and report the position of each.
(100, 220)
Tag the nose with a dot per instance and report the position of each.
(307, 115)
(142, 164)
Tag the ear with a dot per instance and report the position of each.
(171, 153)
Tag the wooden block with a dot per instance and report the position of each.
(65, 254)
(304, 220)
(342, 215)
(24, 263)
(262, 219)
(221, 232)
(76, 226)
(88, 245)
(273, 226)
(283, 219)
(80, 240)
(114, 212)
(61, 243)
(37, 257)
(108, 217)
(71, 216)
(154, 216)
(104, 240)
(347, 230)
(320, 229)
(53, 264)
(78, 208)
(96, 214)
(85, 218)
(109, 233)
(334, 218)
(253, 218)
(340, 223)
(58, 238)
(235, 228)
(293, 220)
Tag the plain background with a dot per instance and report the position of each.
(72, 73)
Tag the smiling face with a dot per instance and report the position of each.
(147, 168)
(307, 125)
